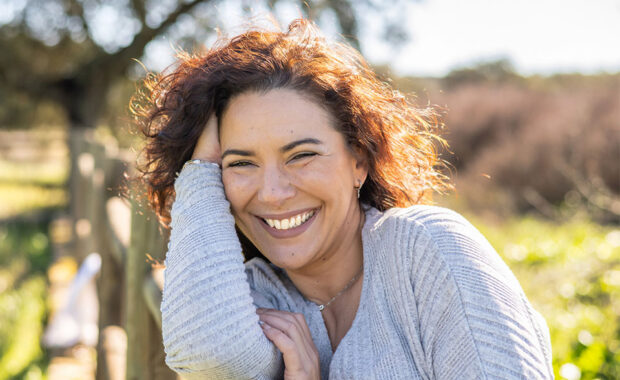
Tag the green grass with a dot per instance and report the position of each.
(50, 173)
(26, 188)
(24, 257)
(571, 274)
(18, 199)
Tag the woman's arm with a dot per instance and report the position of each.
(475, 321)
(209, 322)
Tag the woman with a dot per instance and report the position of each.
(289, 147)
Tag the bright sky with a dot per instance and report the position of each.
(537, 36)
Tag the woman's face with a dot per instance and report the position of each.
(289, 177)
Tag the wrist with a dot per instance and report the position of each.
(198, 176)
(200, 162)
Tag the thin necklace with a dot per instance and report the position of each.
(323, 306)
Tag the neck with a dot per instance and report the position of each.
(329, 274)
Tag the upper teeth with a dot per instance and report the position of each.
(292, 222)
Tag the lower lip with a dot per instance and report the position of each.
(291, 232)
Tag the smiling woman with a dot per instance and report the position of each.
(283, 160)
(293, 181)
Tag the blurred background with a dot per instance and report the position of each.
(529, 92)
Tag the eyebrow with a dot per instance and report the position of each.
(292, 145)
(284, 149)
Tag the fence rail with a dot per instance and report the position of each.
(126, 235)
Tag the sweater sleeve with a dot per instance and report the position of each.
(475, 320)
(209, 323)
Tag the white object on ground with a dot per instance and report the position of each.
(76, 320)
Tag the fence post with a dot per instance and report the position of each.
(129, 296)
(81, 195)
(112, 345)
(157, 247)
(144, 346)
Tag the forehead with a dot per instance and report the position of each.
(276, 116)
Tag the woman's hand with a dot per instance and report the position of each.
(208, 145)
(290, 333)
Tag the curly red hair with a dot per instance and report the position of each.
(398, 140)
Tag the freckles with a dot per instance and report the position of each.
(236, 184)
(234, 193)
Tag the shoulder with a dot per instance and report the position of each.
(421, 228)
(429, 233)
(435, 242)
(469, 302)
(433, 219)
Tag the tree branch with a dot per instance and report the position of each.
(121, 60)
(147, 34)
(597, 196)
(138, 7)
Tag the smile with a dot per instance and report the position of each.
(290, 224)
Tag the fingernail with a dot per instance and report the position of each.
(261, 322)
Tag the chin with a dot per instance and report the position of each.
(287, 258)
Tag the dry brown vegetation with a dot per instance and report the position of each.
(531, 143)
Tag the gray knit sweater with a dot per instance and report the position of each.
(437, 301)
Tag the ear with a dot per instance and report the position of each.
(360, 169)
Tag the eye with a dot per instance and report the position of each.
(302, 155)
(239, 164)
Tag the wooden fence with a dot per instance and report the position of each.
(128, 237)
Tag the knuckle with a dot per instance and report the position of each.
(285, 344)
(276, 335)
(289, 344)
(289, 326)
(300, 319)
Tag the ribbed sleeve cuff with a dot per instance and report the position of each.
(199, 180)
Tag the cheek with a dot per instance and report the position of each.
(237, 189)
(330, 177)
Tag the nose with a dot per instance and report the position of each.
(276, 187)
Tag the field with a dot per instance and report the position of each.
(571, 273)
(569, 270)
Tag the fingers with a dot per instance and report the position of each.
(212, 132)
(286, 345)
(292, 324)
(290, 333)
(208, 145)
(212, 122)
(302, 321)
(285, 320)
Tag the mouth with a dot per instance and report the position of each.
(291, 225)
